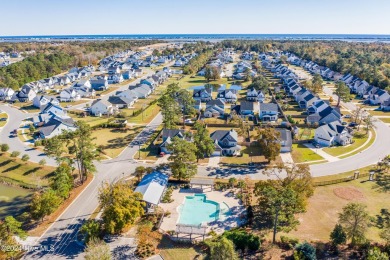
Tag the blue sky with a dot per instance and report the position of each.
(59, 17)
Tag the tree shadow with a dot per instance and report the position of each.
(31, 171)
(12, 168)
(2, 164)
(382, 219)
(15, 206)
(383, 182)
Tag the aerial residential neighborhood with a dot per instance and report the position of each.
(127, 134)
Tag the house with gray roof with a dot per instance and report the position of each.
(55, 126)
(268, 112)
(225, 142)
(332, 134)
(285, 140)
(121, 102)
(167, 136)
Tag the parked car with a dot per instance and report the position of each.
(344, 123)
(353, 124)
(347, 116)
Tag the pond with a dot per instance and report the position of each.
(13, 200)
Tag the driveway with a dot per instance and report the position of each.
(15, 117)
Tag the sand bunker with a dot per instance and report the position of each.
(348, 193)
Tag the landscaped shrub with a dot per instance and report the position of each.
(289, 242)
(4, 148)
(242, 239)
(167, 198)
(305, 251)
(15, 154)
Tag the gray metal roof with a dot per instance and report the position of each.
(152, 187)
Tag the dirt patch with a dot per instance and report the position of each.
(348, 193)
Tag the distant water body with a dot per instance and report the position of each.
(204, 37)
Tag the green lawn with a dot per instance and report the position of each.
(249, 154)
(361, 148)
(24, 173)
(306, 133)
(340, 150)
(301, 153)
(170, 250)
(114, 141)
(91, 120)
(3, 115)
(146, 116)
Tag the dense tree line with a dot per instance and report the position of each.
(34, 68)
(52, 59)
(198, 62)
(369, 61)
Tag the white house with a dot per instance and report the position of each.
(6, 93)
(42, 100)
(268, 112)
(332, 134)
(69, 94)
(102, 107)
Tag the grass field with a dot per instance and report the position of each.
(173, 251)
(301, 153)
(92, 121)
(23, 173)
(324, 206)
(340, 150)
(113, 141)
(362, 147)
(3, 115)
(249, 154)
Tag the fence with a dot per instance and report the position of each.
(340, 180)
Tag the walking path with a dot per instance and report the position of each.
(321, 153)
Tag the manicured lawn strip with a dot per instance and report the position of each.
(148, 151)
(340, 150)
(23, 173)
(373, 136)
(3, 115)
(385, 120)
(379, 113)
(301, 153)
(113, 140)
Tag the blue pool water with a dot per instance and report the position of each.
(197, 210)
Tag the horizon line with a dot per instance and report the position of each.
(197, 34)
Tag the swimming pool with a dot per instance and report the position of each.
(198, 209)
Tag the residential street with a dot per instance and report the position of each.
(61, 235)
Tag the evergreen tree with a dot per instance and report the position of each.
(203, 142)
(183, 159)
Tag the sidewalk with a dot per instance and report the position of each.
(321, 153)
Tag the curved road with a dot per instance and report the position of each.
(61, 235)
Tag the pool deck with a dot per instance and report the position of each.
(219, 226)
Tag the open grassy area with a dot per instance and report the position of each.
(191, 81)
(14, 170)
(3, 115)
(27, 107)
(369, 143)
(306, 133)
(91, 120)
(146, 116)
(113, 140)
(248, 155)
(340, 150)
(324, 206)
(301, 153)
(170, 250)
(74, 103)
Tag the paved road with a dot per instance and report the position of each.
(377, 151)
(15, 117)
(61, 235)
